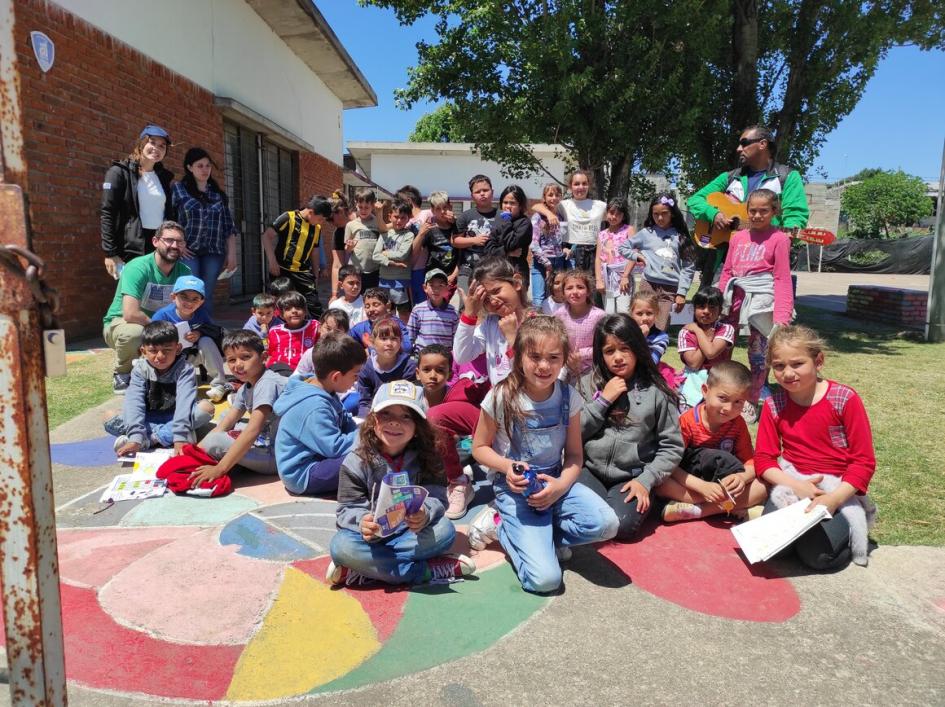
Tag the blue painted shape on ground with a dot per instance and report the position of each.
(258, 539)
(188, 510)
(89, 452)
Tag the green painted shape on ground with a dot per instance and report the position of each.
(187, 510)
(429, 632)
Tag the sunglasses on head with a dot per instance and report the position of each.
(745, 142)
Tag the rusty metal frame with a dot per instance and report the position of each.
(29, 567)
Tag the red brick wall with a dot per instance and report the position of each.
(77, 118)
(317, 175)
(906, 308)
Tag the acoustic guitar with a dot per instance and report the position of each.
(706, 235)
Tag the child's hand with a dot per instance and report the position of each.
(473, 302)
(178, 448)
(645, 328)
(192, 336)
(808, 487)
(508, 325)
(712, 492)
(641, 259)
(515, 481)
(575, 363)
(208, 472)
(734, 483)
(479, 239)
(625, 284)
(680, 303)
(418, 521)
(639, 492)
(369, 529)
(554, 489)
(614, 388)
(828, 500)
(129, 449)
(553, 223)
(566, 252)
(399, 264)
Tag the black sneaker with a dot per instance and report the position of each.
(120, 384)
(115, 426)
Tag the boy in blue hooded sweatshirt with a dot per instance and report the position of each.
(316, 433)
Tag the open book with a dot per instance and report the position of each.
(763, 538)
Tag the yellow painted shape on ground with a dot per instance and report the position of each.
(311, 636)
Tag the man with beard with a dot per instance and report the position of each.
(756, 169)
(144, 287)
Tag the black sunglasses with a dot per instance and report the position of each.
(745, 142)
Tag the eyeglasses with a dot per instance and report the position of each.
(745, 142)
(172, 241)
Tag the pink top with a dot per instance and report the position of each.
(581, 333)
(755, 252)
(688, 341)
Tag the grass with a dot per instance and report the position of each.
(902, 383)
(88, 382)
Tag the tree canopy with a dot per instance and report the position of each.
(652, 84)
(884, 201)
(440, 125)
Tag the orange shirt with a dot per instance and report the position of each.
(733, 437)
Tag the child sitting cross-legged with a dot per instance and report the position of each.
(717, 471)
(161, 408)
(387, 361)
(292, 338)
(250, 446)
(188, 295)
(315, 432)
(395, 438)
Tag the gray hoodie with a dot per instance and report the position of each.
(647, 449)
(359, 482)
(660, 249)
(178, 381)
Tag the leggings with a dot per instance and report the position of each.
(757, 352)
(629, 519)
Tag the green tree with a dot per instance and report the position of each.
(439, 125)
(888, 200)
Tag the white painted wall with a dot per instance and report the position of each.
(451, 173)
(225, 47)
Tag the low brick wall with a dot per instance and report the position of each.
(891, 305)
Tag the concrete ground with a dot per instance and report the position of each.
(675, 617)
(828, 290)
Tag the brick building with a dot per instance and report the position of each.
(260, 84)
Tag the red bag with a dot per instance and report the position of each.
(177, 471)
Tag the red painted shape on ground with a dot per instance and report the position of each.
(101, 653)
(383, 604)
(697, 565)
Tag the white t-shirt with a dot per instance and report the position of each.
(354, 310)
(584, 220)
(151, 199)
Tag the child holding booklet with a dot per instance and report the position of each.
(395, 437)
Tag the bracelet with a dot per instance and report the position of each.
(467, 319)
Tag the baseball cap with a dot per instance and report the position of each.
(189, 282)
(400, 393)
(151, 130)
(435, 272)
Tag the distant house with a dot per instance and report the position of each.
(262, 85)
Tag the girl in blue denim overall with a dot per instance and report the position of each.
(529, 434)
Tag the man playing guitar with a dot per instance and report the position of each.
(757, 168)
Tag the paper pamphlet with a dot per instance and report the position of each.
(396, 499)
(147, 463)
(764, 537)
(127, 487)
(682, 318)
(183, 329)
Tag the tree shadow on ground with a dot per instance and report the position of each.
(845, 334)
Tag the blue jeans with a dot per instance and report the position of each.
(530, 537)
(538, 279)
(399, 559)
(160, 425)
(208, 269)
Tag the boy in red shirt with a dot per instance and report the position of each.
(296, 335)
(717, 471)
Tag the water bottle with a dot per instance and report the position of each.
(534, 483)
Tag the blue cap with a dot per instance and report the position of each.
(189, 282)
(152, 130)
(400, 393)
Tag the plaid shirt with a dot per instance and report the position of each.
(207, 224)
(432, 326)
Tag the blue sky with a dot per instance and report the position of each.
(898, 124)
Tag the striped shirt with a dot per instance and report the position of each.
(429, 325)
(297, 239)
(658, 341)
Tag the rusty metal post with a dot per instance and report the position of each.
(32, 609)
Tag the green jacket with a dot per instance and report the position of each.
(794, 209)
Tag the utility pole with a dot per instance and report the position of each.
(935, 310)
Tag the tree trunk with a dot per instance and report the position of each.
(745, 109)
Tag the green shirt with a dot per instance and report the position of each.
(141, 279)
(794, 209)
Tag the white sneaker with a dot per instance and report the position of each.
(337, 575)
(120, 441)
(484, 528)
(458, 495)
(217, 393)
(450, 568)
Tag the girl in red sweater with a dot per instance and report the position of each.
(756, 286)
(814, 441)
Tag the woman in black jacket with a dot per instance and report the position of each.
(136, 198)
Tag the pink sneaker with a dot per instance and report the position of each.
(459, 493)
